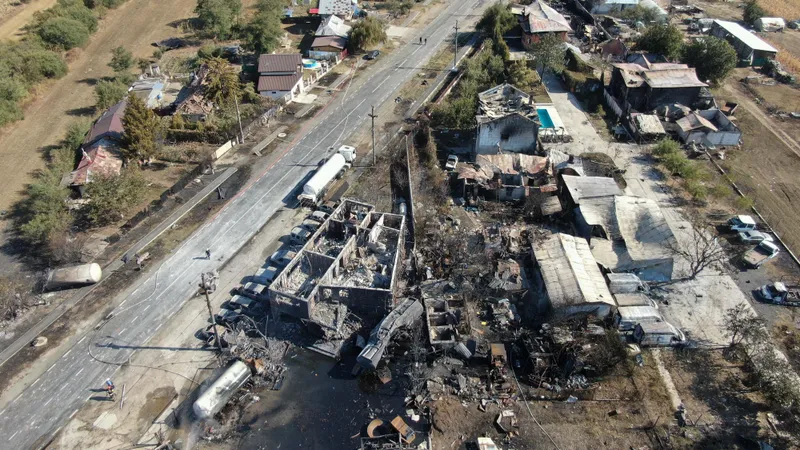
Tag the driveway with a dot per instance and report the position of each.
(35, 415)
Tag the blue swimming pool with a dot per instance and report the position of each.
(544, 118)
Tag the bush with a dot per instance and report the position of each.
(70, 9)
(696, 189)
(76, 133)
(9, 112)
(111, 4)
(720, 190)
(665, 147)
(63, 33)
(121, 59)
(744, 203)
(29, 62)
(109, 93)
(12, 89)
(209, 51)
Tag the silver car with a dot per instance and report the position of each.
(754, 237)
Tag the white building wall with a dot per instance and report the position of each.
(513, 134)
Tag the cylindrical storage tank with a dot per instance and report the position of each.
(221, 390)
(316, 185)
(74, 276)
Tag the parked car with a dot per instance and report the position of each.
(242, 302)
(754, 237)
(255, 291)
(762, 253)
(226, 316)
(741, 223)
(310, 225)
(318, 216)
(299, 235)
(266, 275)
(282, 257)
(327, 207)
(452, 162)
(373, 54)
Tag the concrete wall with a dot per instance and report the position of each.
(514, 133)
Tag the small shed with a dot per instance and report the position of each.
(752, 50)
(710, 127)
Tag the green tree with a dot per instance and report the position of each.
(522, 76)
(109, 93)
(639, 13)
(111, 197)
(222, 83)
(44, 214)
(549, 53)
(76, 132)
(121, 59)
(219, 16)
(367, 32)
(752, 12)
(63, 33)
(71, 9)
(263, 31)
(399, 7)
(661, 39)
(497, 17)
(142, 129)
(713, 58)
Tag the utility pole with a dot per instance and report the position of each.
(204, 286)
(455, 51)
(239, 117)
(373, 116)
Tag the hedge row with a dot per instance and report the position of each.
(38, 56)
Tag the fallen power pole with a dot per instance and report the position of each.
(205, 285)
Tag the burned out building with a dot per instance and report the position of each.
(507, 121)
(643, 88)
(349, 263)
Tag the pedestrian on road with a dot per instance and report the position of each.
(426, 41)
(125, 258)
(420, 40)
(208, 254)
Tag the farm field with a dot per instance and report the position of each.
(135, 25)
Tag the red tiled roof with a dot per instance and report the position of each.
(278, 82)
(109, 124)
(97, 160)
(279, 63)
(330, 41)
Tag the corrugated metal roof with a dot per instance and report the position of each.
(329, 41)
(589, 187)
(694, 121)
(638, 233)
(648, 124)
(544, 19)
(570, 272)
(280, 63)
(638, 313)
(109, 124)
(278, 82)
(332, 26)
(747, 38)
(97, 160)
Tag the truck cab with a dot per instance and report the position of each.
(741, 223)
(348, 152)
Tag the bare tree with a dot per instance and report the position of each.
(741, 323)
(701, 251)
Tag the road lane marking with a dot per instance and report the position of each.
(81, 340)
(12, 436)
(380, 84)
(79, 372)
(51, 399)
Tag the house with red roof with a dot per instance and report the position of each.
(280, 76)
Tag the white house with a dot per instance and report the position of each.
(506, 121)
(280, 76)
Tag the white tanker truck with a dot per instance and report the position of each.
(315, 188)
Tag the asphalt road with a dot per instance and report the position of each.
(31, 419)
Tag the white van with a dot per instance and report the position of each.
(627, 317)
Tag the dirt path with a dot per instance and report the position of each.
(135, 25)
(765, 120)
(14, 17)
